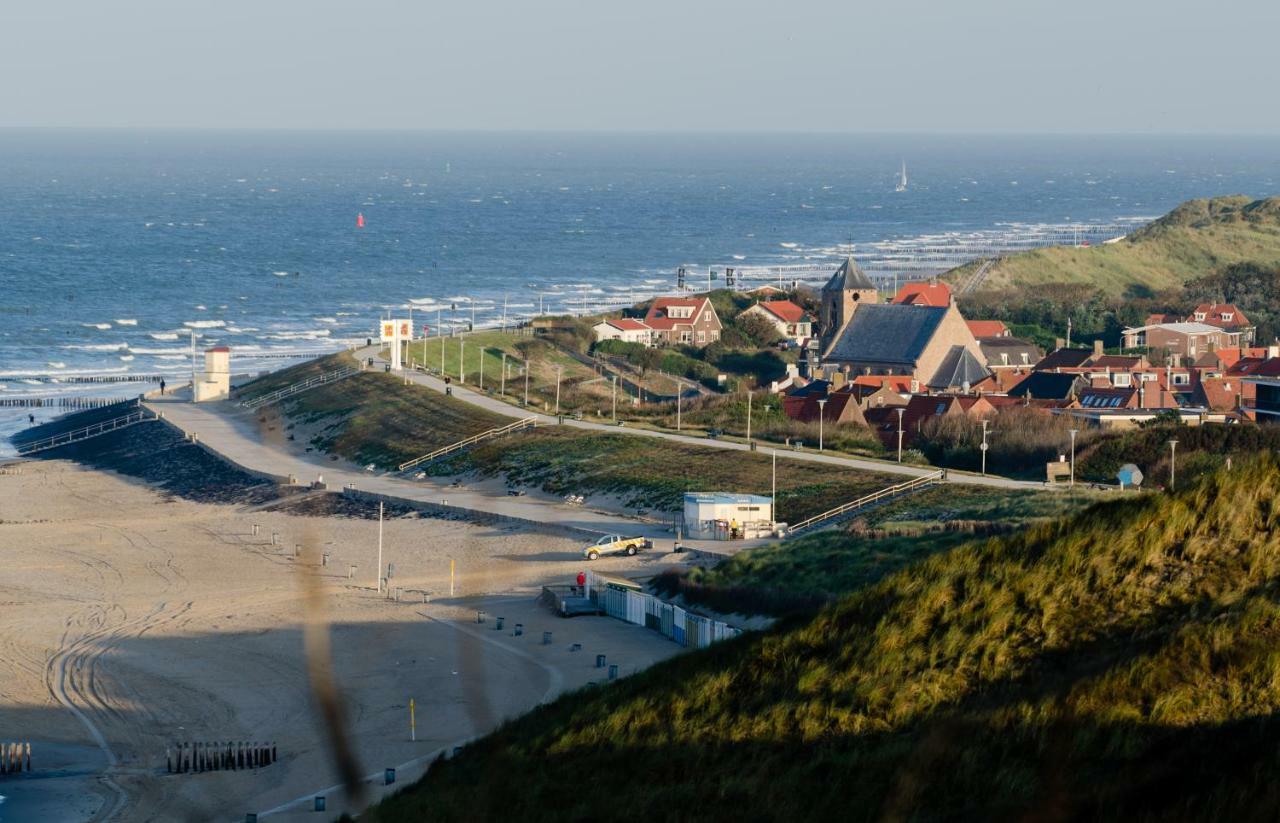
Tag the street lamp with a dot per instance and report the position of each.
(773, 486)
(748, 415)
(462, 360)
(482, 368)
(502, 384)
(1073, 434)
(901, 411)
(615, 398)
(1173, 455)
(985, 423)
(526, 382)
(559, 371)
(821, 415)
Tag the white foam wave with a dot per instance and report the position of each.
(127, 322)
(164, 335)
(205, 324)
(99, 326)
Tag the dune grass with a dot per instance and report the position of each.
(1197, 237)
(1118, 664)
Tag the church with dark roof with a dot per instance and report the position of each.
(860, 335)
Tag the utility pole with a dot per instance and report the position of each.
(901, 410)
(1173, 457)
(748, 415)
(615, 398)
(504, 311)
(679, 397)
(502, 384)
(1073, 433)
(773, 486)
(559, 371)
(821, 416)
(379, 569)
(482, 368)
(462, 359)
(526, 383)
(193, 365)
(440, 340)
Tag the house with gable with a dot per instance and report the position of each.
(689, 321)
(791, 321)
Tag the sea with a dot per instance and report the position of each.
(121, 251)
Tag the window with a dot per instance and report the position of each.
(1181, 379)
(1026, 359)
(1004, 358)
(1226, 316)
(1200, 315)
(706, 316)
(702, 336)
(1120, 379)
(682, 312)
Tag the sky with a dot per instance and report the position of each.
(1147, 66)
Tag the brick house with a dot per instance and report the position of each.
(1189, 339)
(690, 321)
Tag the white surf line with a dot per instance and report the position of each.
(557, 684)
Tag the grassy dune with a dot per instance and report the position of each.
(1194, 239)
(1119, 664)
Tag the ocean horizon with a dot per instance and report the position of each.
(117, 246)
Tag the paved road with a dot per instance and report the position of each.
(498, 406)
(233, 432)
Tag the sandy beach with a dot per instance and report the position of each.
(130, 619)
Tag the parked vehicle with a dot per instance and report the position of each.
(616, 544)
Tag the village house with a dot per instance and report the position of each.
(861, 336)
(626, 329)
(690, 321)
(1225, 316)
(1008, 352)
(1189, 339)
(923, 293)
(791, 321)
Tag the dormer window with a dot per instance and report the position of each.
(1026, 360)
(680, 312)
(1004, 357)
(1200, 315)
(1227, 316)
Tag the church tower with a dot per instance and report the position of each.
(848, 288)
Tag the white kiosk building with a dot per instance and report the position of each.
(215, 382)
(724, 516)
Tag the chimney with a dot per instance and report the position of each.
(838, 379)
(1097, 348)
(1273, 351)
(1058, 343)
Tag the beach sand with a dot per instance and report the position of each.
(130, 620)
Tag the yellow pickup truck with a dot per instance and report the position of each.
(616, 544)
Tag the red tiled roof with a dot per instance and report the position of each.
(657, 317)
(222, 349)
(1222, 393)
(784, 310)
(896, 382)
(627, 324)
(924, 294)
(1213, 315)
(987, 328)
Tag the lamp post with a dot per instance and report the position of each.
(679, 395)
(559, 371)
(526, 382)
(748, 415)
(440, 340)
(773, 486)
(1173, 456)
(615, 398)
(482, 368)
(821, 415)
(985, 423)
(462, 360)
(1073, 434)
(901, 411)
(502, 384)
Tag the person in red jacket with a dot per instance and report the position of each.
(582, 583)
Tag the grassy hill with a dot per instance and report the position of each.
(1119, 664)
(1196, 238)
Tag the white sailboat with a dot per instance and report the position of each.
(902, 179)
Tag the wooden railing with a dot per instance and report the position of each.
(103, 427)
(866, 500)
(526, 423)
(300, 386)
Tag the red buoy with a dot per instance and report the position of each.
(360, 220)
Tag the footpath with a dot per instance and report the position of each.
(498, 406)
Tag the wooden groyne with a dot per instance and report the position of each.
(71, 403)
(201, 756)
(15, 758)
(96, 378)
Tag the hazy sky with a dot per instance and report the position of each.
(806, 65)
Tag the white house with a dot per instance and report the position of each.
(791, 321)
(626, 329)
(723, 516)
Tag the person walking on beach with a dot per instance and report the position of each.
(162, 385)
